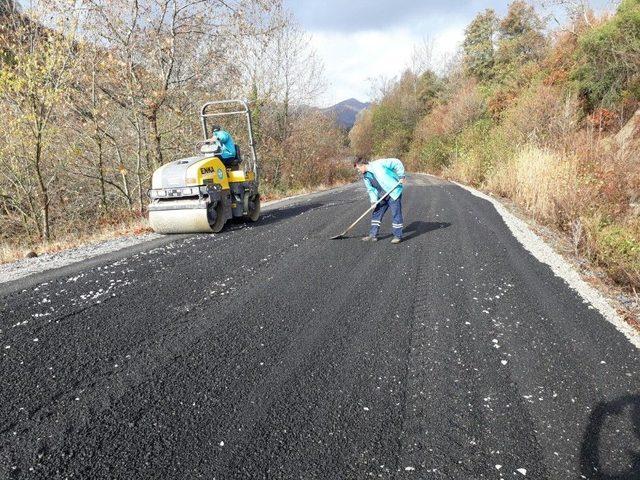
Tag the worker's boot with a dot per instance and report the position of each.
(369, 238)
(396, 240)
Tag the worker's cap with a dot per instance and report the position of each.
(216, 128)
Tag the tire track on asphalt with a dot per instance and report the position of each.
(163, 349)
(450, 373)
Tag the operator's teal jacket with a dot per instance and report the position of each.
(226, 143)
(387, 172)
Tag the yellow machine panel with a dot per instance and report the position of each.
(209, 170)
(238, 176)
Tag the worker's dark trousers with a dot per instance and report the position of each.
(379, 211)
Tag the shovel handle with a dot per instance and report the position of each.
(371, 208)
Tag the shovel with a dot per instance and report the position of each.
(343, 234)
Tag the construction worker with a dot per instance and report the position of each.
(227, 145)
(380, 176)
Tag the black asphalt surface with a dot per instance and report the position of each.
(272, 352)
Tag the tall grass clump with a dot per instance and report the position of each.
(544, 182)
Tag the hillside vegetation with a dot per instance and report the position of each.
(96, 94)
(542, 116)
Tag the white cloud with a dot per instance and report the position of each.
(352, 60)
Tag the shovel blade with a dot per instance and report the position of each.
(338, 237)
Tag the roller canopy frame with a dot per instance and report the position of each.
(244, 104)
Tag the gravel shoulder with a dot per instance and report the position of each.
(20, 269)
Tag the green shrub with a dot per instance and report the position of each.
(435, 153)
(473, 153)
(616, 247)
(391, 131)
(608, 59)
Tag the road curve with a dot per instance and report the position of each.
(271, 352)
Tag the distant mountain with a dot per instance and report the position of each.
(346, 112)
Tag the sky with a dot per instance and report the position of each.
(360, 41)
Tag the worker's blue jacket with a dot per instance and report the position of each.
(226, 143)
(387, 171)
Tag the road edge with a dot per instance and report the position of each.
(87, 256)
(544, 253)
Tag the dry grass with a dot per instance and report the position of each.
(468, 169)
(589, 205)
(545, 183)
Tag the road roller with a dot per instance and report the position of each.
(200, 193)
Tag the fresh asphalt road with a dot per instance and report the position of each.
(272, 352)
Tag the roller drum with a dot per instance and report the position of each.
(181, 216)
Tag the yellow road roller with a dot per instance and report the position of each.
(202, 192)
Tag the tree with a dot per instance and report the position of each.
(385, 128)
(478, 45)
(521, 38)
(282, 75)
(166, 57)
(101, 132)
(34, 86)
(429, 86)
(361, 134)
(160, 46)
(7, 7)
(95, 94)
(578, 11)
